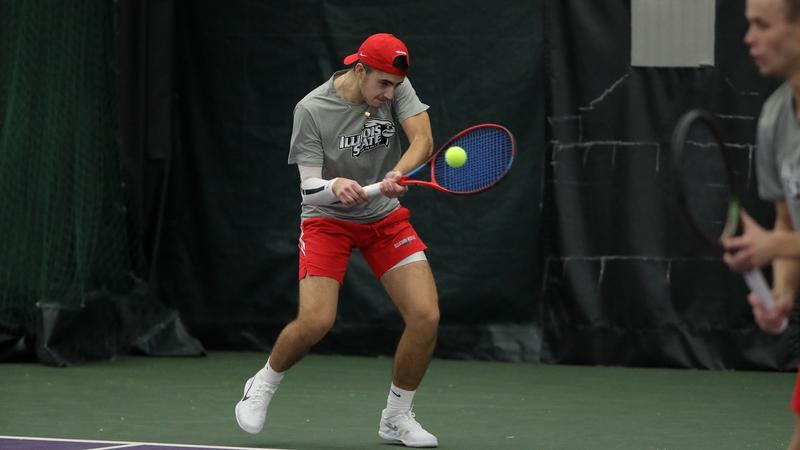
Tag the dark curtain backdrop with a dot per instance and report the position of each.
(580, 256)
(212, 157)
(627, 282)
(80, 87)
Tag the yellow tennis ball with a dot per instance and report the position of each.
(455, 156)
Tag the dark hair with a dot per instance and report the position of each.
(401, 62)
(793, 9)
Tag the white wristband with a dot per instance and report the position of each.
(317, 192)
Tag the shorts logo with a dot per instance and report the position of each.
(404, 241)
(376, 132)
(301, 244)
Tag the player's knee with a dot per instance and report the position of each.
(314, 329)
(432, 318)
(426, 319)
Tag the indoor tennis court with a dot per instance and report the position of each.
(329, 402)
(163, 165)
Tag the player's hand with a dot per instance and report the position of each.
(750, 250)
(348, 191)
(389, 186)
(772, 321)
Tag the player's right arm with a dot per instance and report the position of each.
(315, 190)
(306, 150)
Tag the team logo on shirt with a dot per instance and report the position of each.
(376, 132)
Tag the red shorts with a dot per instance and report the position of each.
(325, 244)
(796, 394)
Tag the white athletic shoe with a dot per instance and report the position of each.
(251, 411)
(404, 427)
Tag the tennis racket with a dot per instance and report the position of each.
(490, 152)
(707, 189)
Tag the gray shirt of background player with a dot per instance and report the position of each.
(334, 134)
(778, 153)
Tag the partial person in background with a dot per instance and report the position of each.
(345, 136)
(773, 37)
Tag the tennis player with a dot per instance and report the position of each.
(773, 37)
(345, 136)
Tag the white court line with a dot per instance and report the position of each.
(113, 447)
(122, 444)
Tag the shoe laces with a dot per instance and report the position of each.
(408, 418)
(260, 390)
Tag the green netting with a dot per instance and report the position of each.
(62, 221)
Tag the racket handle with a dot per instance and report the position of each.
(758, 285)
(373, 189)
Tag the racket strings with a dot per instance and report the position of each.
(707, 185)
(490, 152)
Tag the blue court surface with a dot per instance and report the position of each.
(31, 443)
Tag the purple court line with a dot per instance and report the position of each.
(35, 443)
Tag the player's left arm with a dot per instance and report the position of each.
(786, 279)
(420, 147)
(786, 271)
(420, 142)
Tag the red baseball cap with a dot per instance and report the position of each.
(379, 52)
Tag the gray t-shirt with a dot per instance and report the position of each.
(334, 134)
(778, 154)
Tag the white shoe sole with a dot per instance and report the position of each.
(392, 438)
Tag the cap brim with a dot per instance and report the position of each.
(351, 59)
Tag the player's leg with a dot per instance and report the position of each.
(794, 444)
(324, 251)
(413, 291)
(316, 314)
(396, 255)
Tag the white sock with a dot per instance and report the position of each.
(269, 375)
(399, 400)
